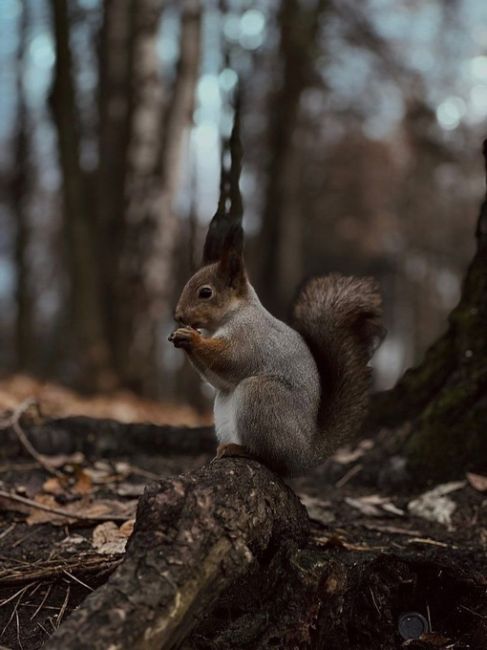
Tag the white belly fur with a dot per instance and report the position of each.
(225, 422)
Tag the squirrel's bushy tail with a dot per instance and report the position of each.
(340, 319)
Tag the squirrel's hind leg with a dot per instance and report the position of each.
(270, 426)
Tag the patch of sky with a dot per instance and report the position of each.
(477, 105)
(227, 79)
(349, 74)
(248, 29)
(478, 68)
(167, 46)
(89, 4)
(208, 99)
(450, 112)
(41, 51)
(205, 148)
(389, 111)
(11, 9)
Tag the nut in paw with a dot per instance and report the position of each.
(183, 337)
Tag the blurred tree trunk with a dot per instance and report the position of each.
(445, 397)
(115, 105)
(154, 152)
(19, 194)
(86, 314)
(282, 221)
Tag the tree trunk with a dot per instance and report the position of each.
(86, 315)
(154, 166)
(20, 192)
(282, 222)
(115, 104)
(445, 397)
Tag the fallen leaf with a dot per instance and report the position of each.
(54, 485)
(130, 489)
(84, 484)
(109, 539)
(317, 509)
(60, 460)
(127, 528)
(434, 505)
(477, 481)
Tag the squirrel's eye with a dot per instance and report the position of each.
(205, 293)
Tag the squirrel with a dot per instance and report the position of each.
(286, 395)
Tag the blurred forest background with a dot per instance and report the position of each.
(362, 124)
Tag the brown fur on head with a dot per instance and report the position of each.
(213, 293)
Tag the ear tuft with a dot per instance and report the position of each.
(232, 269)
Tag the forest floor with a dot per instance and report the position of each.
(419, 553)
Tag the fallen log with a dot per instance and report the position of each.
(195, 536)
(107, 438)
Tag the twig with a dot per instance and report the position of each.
(7, 531)
(60, 511)
(374, 601)
(53, 570)
(7, 600)
(473, 612)
(48, 591)
(64, 605)
(43, 629)
(13, 422)
(138, 471)
(83, 584)
(17, 625)
(14, 611)
(348, 475)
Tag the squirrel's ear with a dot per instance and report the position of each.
(232, 269)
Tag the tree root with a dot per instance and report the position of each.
(195, 535)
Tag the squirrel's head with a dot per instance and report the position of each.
(213, 293)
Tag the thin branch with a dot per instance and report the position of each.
(59, 511)
(13, 422)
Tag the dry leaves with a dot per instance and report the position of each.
(477, 481)
(318, 509)
(86, 508)
(110, 539)
(374, 505)
(434, 505)
(124, 406)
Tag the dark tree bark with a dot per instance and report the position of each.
(116, 104)
(86, 314)
(192, 541)
(20, 191)
(282, 221)
(445, 397)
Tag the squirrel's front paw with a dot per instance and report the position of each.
(183, 337)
